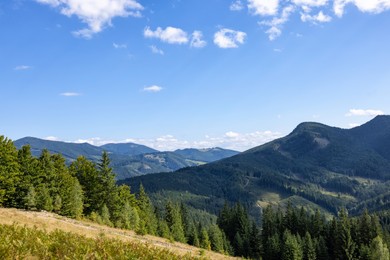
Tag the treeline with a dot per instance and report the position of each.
(88, 190)
(293, 234)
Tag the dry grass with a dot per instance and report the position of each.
(50, 222)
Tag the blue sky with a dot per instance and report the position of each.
(190, 73)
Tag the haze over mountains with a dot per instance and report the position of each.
(128, 159)
(315, 166)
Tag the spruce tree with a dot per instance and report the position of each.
(379, 250)
(30, 200)
(9, 172)
(148, 220)
(204, 239)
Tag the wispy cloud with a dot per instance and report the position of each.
(156, 50)
(119, 46)
(153, 89)
(22, 67)
(277, 23)
(368, 6)
(275, 13)
(170, 35)
(227, 38)
(70, 94)
(263, 7)
(318, 18)
(96, 14)
(236, 6)
(364, 112)
(52, 138)
(197, 40)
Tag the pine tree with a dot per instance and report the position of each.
(216, 238)
(148, 220)
(163, 229)
(9, 172)
(28, 174)
(379, 250)
(105, 214)
(204, 239)
(106, 179)
(57, 205)
(30, 200)
(346, 246)
(88, 178)
(174, 221)
(44, 201)
(309, 251)
(291, 248)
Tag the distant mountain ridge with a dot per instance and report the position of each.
(128, 159)
(315, 166)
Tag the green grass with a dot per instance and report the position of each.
(21, 242)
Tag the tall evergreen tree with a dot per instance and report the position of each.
(174, 221)
(9, 172)
(148, 220)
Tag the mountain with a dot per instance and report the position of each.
(69, 150)
(128, 148)
(148, 163)
(315, 166)
(128, 159)
(206, 155)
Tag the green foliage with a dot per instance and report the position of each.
(204, 239)
(173, 218)
(30, 200)
(28, 243)
(378, 249)
(9, 172)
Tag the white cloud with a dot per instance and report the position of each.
(22, 67)
(320, 18)
(236, 6)
(156, 50)
(277, 23)
(366, 6)
(52, 138)
(170, 35)
(119, 46)
(70, 94)
(227, 38)
(96, 14)
(311, 3)
(263, 7)
(364, 112)
(352, 125)
(232, 134)
(230, 140)
(153, 88)
(197, 41)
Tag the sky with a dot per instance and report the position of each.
(190, 73)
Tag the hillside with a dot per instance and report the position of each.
(206, 155)
(148, 163)
(315, 166)
(128, 159)
(50, 222)
(127, 149)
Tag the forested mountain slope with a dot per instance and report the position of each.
(315, 166)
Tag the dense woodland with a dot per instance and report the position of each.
(88, 190)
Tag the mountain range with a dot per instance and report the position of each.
(128, 159)
(316, 166)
